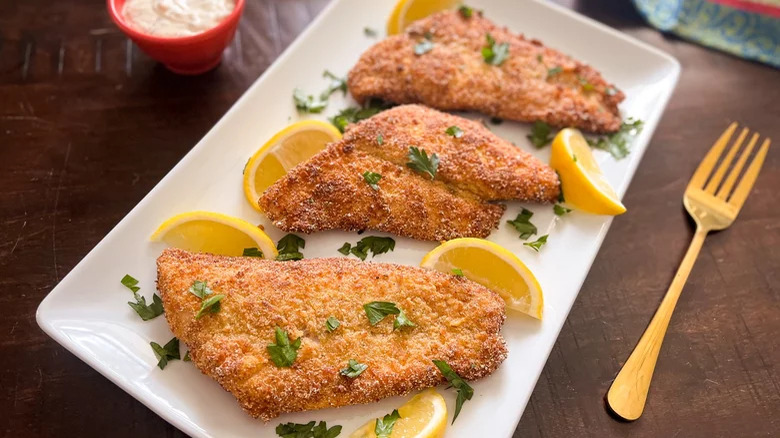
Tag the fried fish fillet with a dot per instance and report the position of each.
(329, 191)
(457, 321)
(534, 83)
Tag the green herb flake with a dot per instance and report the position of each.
(454, 131)
(554, 71)
(465, 11)
(200, 289)
(283, 353)
(252, 252)
(457, 272)
(375, 244)
(166, 353)
(539, 59)
(401, 321)
(419, 161)
(372, 178)
(586, 86)
(308, 103)
(541, 134)
(146, 312)
(353, 369)
(345, 248)
(380, 140)
(332, 323)
(187, 357)
(560, 210)
(384, 426)
(336, 84)
(210, 305)
(537, 244)
(424, 46)
(523, 225)
(289, 248)
(494, 53)
(617, 144)
(354, 114)
(311, 429)
(611, 91)
(369, 32)
(376, 311)
(465, 392)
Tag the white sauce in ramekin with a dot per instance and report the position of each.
(176, 18)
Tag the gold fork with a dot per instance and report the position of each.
(714, 207)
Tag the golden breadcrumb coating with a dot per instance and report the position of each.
(457, 321)
(533, 83)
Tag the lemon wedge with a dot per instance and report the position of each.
(407, 11)
(582, 181)
(216, 233)
(424, 416)
(492, 266)
(286, 149)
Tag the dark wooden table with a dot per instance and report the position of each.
(88, 125)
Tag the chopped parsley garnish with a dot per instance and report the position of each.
(146, 312)
(332, 323)
(494, 53)
(454, 131)
(353, 369)
(283, 353)
(369, 32)
(186, 357)
(554, 71)
(560, 210)
(424, 46)
(380, 140)
(211, 304)
(611, 91)
(377, 245)
(465, 392)
(345, 248)
(289, 248)
(523, 225)
(539, 58)
(372, 178)
(166, 353)
(457, 272)
(308, 430)
(336, 84)
(537, 244)
(419, 161)
(384, 426)
(465, 11)
(354, 114)
(376, 311)
(617, 144)
(586, 86)
(541, 134)
(200, 289)
(308, 103)
(252, 252)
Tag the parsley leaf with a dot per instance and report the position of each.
(200, 289)
(402, 321)
(284, 352)
(353, 369)
(380, 140)
(332, 323)
(384, 426)
(457, 272)
(345, 248)
(166, 353)
(186, 357)
(424, 46)
(539, 58)
(465, 11)
(376, 311)
(523, 225)
(617, 144)
(419, 161)
(372, 178)
(377, 245)
(336, 84)
(252, 252)
(289, 248)
(210, 305)
(554, 71)
(465, 392)
(146, 312)
(586, 86)
(308, 103)
(354, 114)
(494, 53)
(560, 210)
(537, 244)
(454, 131)
(541, 134)
(308, 430)
(369, 32)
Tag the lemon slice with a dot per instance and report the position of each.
(216, 233)
(288, 148)
(582, 182)
(424, 416)
(407, 11)
(492, 266)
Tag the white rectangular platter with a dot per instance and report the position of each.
(87, 312)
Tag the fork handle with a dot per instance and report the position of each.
(628, 393)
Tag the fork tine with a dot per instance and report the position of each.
(705, 167)
(725, 189)
(743, 188)
(714, 182)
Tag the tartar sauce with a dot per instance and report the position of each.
(176, 18)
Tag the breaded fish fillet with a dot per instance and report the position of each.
(533, 83)
(457, 321)
(329, 191)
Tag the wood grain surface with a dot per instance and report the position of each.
(88, 125)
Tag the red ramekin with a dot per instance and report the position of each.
(188, 55)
